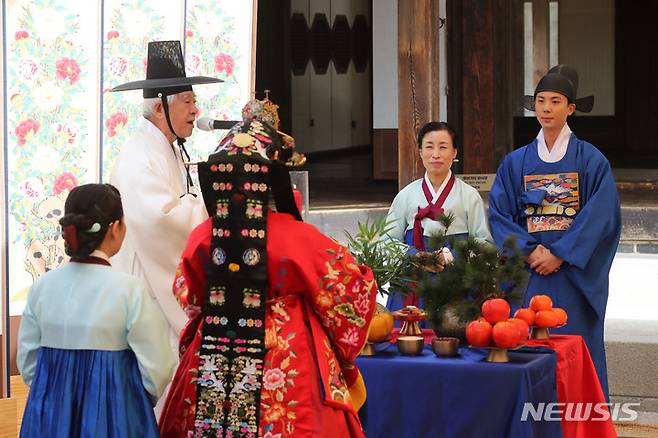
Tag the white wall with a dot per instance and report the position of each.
(587, 42)
(384, 64)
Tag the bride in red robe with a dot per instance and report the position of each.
(314, 319)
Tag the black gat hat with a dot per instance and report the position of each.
(165, 72)
(561, 79)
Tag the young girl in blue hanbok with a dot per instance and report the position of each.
(93, 345)
(413, 213)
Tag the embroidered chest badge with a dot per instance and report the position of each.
(218, 256)
(251, 257)
(560, 204)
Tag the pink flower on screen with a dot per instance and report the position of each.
(224, 63)
(65, 182)
(118, 119)
(24, 128)
(67, 68)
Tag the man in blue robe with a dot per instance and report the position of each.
(558, 197)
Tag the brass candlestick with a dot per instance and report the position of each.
(410, 316)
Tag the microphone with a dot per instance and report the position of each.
(208, 124)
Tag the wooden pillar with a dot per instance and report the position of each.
(418, 80)
(478, 86)
(508, 75)
(540, 30)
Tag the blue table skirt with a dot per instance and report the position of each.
(427, 396)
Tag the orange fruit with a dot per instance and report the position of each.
(522, 326)
(478, 333)
(541, 302)
(505, 334)
(495, 310)
(528, 315)
(545, 319)
(561, 315)
(380, 327)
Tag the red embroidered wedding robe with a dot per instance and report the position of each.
(320, 303)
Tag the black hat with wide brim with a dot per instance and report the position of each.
(561, 79)
(165, 72)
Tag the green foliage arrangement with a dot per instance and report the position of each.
(479, 272)
(385, 256)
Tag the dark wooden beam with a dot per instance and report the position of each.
(454, 32)
(273, 55)
(418, 80)
(508, 74)
(540, 29)
(478, 85)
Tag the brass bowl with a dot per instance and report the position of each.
(445, 347)
(410, 345)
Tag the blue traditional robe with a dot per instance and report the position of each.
(571, 207)
(94, 350)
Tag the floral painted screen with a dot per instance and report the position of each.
(128, 26)
(51, 128)
(215, 38)
(62, 125)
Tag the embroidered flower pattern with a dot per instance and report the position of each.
(350, 337)
(251, 298)
(180, 288)
(222, 208)
(337, 386)
(274, 379)
(278, 410)
(362, 302)
(343, 313)
(254, 208)
(217, 296)
(342, 301)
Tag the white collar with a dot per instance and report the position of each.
(154, 131)
(436, 194)
(100, 254)
(559, 149)
(159, 136)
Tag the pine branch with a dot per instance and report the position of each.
(479, 272)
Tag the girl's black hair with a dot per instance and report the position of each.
(87, 205)
(437, 126)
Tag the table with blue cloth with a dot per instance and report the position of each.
(427, 396)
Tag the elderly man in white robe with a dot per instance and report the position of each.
(151, 174)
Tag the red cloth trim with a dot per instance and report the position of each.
(577, 382)
(92, 260)
(433, 210)
(70, 234)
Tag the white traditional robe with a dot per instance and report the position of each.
(85, 306)
(159, 214)
(463, 201)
